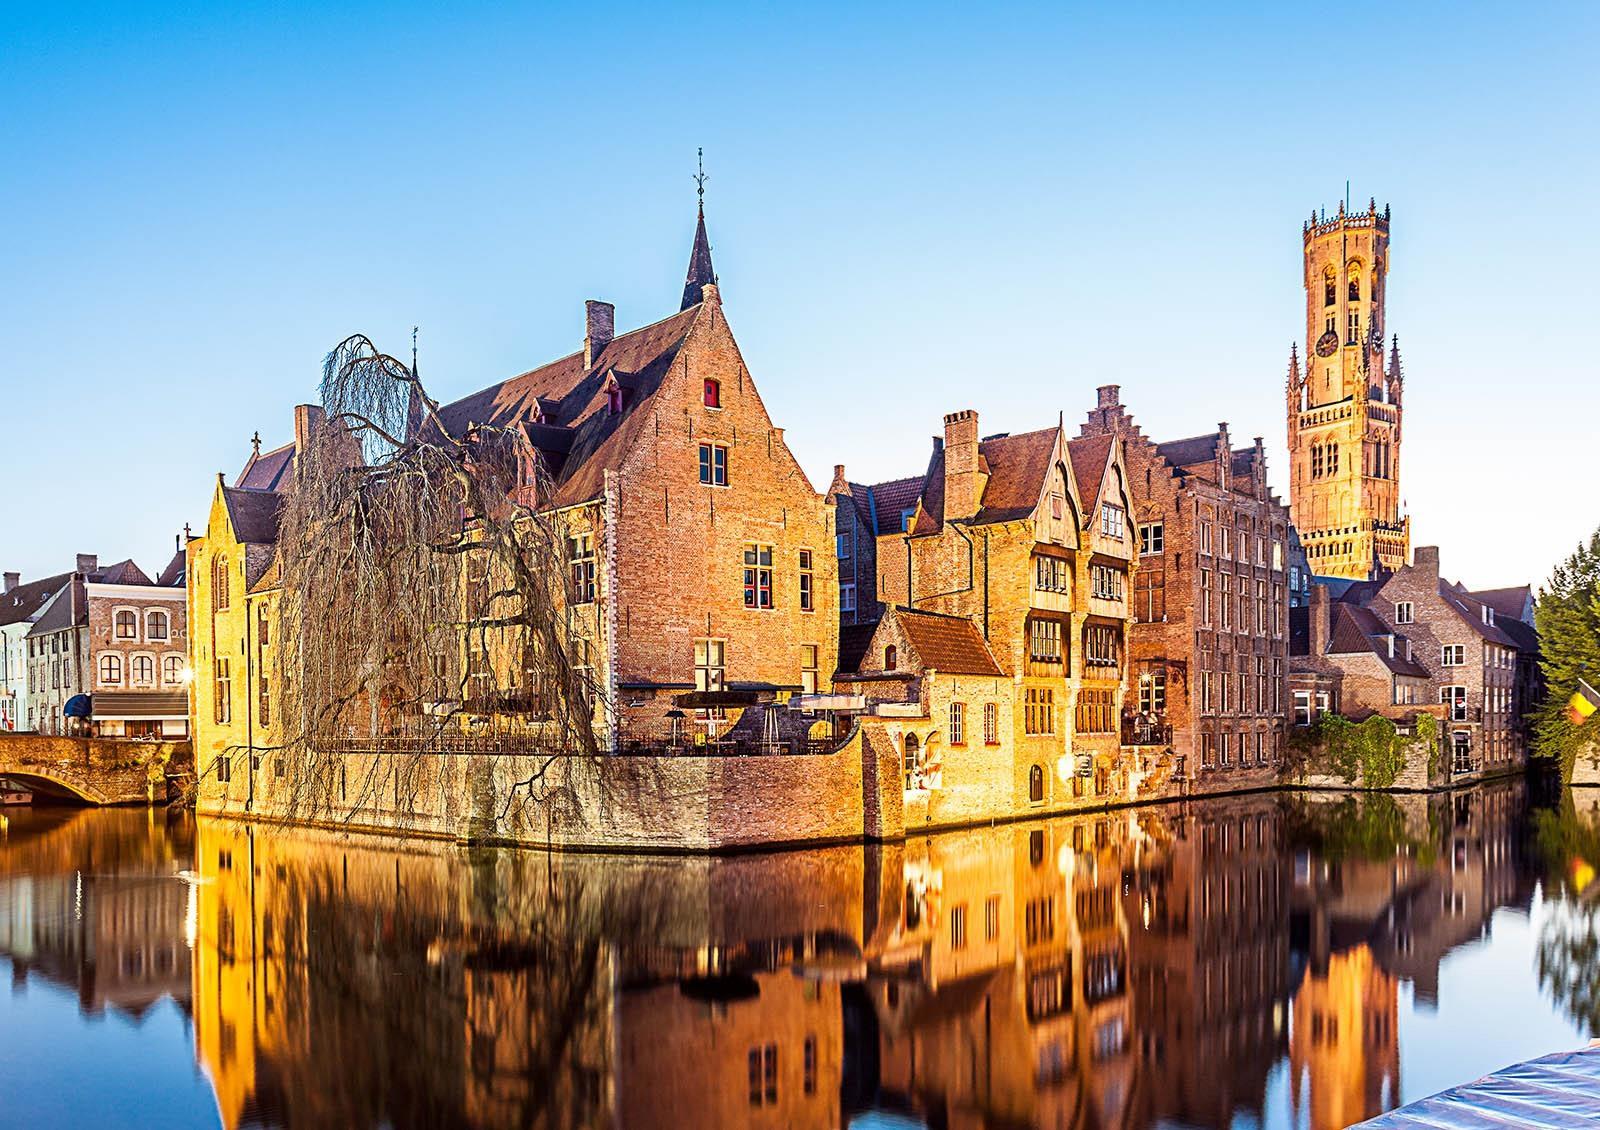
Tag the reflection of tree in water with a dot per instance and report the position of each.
(1566, 844)
(480, 1000)
(1372, 827)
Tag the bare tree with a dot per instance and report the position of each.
(423, 613)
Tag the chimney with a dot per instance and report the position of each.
(1317, 621)
(1108, 396)
(1425, 560)
(710, 295)
(599, 327)
(12, 581)
(87, 563)
(840, 485)
(963, 481)
(307, 419)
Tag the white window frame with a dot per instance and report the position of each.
(155, 670)
(847, 596)
(958, 723)
(177, 658)
(1152, 539)
(116, 628)
(1453, 655)
(151, 637)
(121, 669)
(1405, 612)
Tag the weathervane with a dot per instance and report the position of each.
(700, 177)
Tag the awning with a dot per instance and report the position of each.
(129, 706)
(77, 706)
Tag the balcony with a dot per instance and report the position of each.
(1143, 730)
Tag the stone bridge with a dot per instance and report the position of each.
(94, 770)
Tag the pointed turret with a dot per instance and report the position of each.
(700, 271)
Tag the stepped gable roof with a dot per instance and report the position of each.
(950, 644)
(1188, 452)
(1356, 629)
(1515, 603)
(566, 395)
(1017, 466)
(1242, 464)
(271, 470)
(1089, 456)
(25, 601)
(854, 639)
(254, 514)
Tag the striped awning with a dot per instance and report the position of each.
(112, 706)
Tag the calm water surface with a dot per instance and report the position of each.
(1279, 961)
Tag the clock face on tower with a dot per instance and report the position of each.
(1327, 343)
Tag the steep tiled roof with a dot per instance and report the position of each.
(26, 600)
(1017, 467)
(1514, 602)
(1471, 610)
(254, 514)
(1089, 456)
(69, 607)
(272, 470)
(122, 573)
(853, 642)
(173, 575)
(1356, 629)
(1188, 452)
(951, 644)
(566, 395)
(1521, 633)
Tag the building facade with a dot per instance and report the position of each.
(1209, 640)
(1345, 407)
(20, 607)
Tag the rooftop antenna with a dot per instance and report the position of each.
(700, 177)
(1347, 196)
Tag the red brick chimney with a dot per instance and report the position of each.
(1317, 621)
(963, 480)
(1425, 560)
(600, 326)
(12, 581)
(307, 419)
(87, 563)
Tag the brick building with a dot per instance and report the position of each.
(863, 513)
(21, 604)
(1026, 537)
(108, 654)
(1209, 645)
(1344, 410)
(1453, 650)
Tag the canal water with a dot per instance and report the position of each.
(1279, 960)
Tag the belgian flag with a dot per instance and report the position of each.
(1584, 702)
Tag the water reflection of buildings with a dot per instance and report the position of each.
(1151, 966)
(99, 913)
(1384, 890)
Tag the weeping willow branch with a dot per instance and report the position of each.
(423, 611)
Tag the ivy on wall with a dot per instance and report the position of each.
(1372, 752)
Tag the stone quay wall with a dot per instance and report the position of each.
(96, 770)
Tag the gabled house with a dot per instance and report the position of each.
(21, 605)
(1019, 535)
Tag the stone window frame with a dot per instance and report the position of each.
(117, 613)
(958, 723)
(155, 670)
(166, 631)
(991, 723)
(111, 659)
(177, 679)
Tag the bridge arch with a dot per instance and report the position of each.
(53, 786)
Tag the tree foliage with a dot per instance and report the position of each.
(1372, 752)
(1568, 619)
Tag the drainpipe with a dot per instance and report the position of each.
(249, 713)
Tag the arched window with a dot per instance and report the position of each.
(1329, 287)
(127, 624)
(713, 393)
(1035, 784)
(1355, 286)
(144, 670)
(912, 765)
(172, 670)
(155, 625)
(110, 669)
(219, 585)
(891, 656)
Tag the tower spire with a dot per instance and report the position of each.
(700, 269)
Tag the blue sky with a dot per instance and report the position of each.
(912, 209)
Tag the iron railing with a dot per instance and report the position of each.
(1146, 731)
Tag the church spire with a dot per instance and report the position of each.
(700, 270)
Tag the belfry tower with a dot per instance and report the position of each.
(1344, 408)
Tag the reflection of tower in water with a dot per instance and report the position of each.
(1344, 1042)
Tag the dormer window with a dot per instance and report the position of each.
(614, 398)
(713, 393)
(891, 657)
